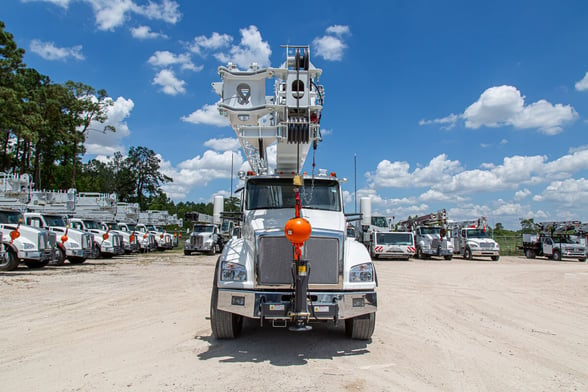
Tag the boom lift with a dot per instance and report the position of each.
(290, 272)
(431, 234)
(555, 240)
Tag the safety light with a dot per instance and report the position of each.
(14, 234)
(63, 238)
(105, 236)
(297, 230)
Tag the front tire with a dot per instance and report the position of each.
(467, 254)
(9, 262)
(224, 325)
(495, 258)
(361, 327)
(35, 264)
(76, 260)
(59, 257)
(448, 257)
(529, 253)
(556, 255)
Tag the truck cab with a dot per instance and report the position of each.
(433, 241)
(106, 244)
(392, 244)
(475, 242)
(72, 244)
(32, 246)
(205, 237)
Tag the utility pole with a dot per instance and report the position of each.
(355, 180)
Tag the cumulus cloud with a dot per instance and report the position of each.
(199, 171)
(170, 85)
(49, 51)
(103, 142)
(144, 32)
(331, 45)
(570, 192)
(112, 14)
(202, 44)
(251, 49)
(582, 85)
(208, 115)
(522, 194)
(165, 58)
(505, 106)
(224, 144)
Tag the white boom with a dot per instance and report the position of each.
(290, 118)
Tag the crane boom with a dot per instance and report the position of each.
(290, 118)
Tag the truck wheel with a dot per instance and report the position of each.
(529, 253)
(34, 264)
(467, 254)
(59, 257)
(495, 258)
(582, 259)
(360, 327)
(448, 257)
(556, 255)
(187, 253)
(224, 325)
(76, 260)
(212, 250)
(419, 253)
(9, 262)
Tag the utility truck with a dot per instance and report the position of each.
(431, 235)
(106, 243)
(21, 243)
(206, 235)
(293, 263)
(554, 241)
(471, 238)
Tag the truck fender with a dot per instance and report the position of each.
(9, 245)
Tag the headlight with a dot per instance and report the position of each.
(362, 273)
(474, 245)
(28, 245)
(73, 245)
(233, 272)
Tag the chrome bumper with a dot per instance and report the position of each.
(276, 305)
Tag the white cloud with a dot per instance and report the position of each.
(331, 46)
(169, 83)
(208, 115)
(224, 144)
(107, 143)
(49, 51)
(164, 58)
(144, 32)
(251, 49)
(570, 192)
(582, 85)
(505, 106)
(522, 194)
(215, 42)
(110, 14)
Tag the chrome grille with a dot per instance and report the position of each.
(275, 255)
(43, 240)
(486, 245)
(196, 240)
(86, 241)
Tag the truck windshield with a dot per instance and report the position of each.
(478, 233)
(269, 193)
(394, 238)
(131, 226)
(114, 226)
(10, 216)
(379, 221)
(203, 228)
(430, 230)
(92, 225)
(54, 220)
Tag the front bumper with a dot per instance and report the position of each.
(36, 255)
(84, 253)
(485, 252)
(276, 305)
(194, 248)
(438, 252)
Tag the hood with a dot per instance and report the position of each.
(275, 220)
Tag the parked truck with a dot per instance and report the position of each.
(106, 243)
(554, 241)
(471, 238)
(431, 235)
(293, 264)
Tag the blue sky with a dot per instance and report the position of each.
(480, 108)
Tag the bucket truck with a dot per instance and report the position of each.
(471, 238)
(431, 235)
(293, 263)
(553, 241)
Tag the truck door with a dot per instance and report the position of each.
(547, 246)
(462, 240)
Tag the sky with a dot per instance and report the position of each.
(478, 108)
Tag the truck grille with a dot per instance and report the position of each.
(43, 240)
(86, 241)
(486, 245)
(196, 241)
(275, 255)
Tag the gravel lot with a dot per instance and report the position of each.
(140, 323)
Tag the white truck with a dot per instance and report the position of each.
(147, 241)
(553, 241)
(72, 244)
(392, 244)
(293, 263)
(431, 235)
(31, 246)
(163, 239)
(471, 238)
(106, 244)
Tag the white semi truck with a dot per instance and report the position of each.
(471, 238)
(293, 263)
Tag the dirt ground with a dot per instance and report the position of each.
(141, 323)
